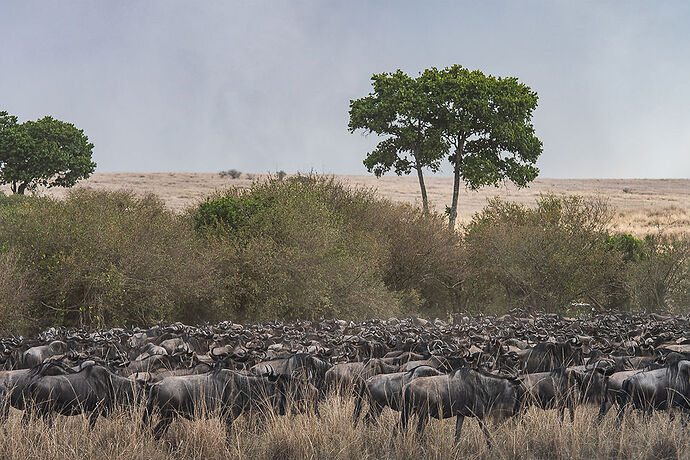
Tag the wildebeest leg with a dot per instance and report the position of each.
(561, 412)
(26, 418)
(375, 410)
(49, 417)
(621, 412)
(458, 426)
(571, 409)
(228, 418)
(486, 432)
(162, 426)
(316, 406)
(92, 419)
(5, 411)
(603, 410)
(359, 398)
(421, 423)
(146, 418)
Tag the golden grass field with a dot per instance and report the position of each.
(538, 435)
(641, 205)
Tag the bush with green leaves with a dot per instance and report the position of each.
(547, 257)
(104, 258)
(658, 278)
(310, 247)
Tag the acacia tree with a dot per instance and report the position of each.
(399, 108)
(486, 122)
(46, 152)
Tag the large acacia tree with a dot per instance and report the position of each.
(400, 109)
(46, 152)
(486, 122)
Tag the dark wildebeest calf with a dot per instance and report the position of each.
(551, 390)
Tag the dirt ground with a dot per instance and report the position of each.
(642, 205)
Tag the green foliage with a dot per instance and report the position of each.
(544, 258)
(632, 249)
(658, 277)
(100, 258)
(309, 247)
(46, 152)
(230, 211)
(486, 121)
(398, 107)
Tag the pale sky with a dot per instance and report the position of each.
(264, 86)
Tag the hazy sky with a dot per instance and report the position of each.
(263, 86)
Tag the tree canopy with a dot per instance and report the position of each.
(46, 152)
(486, 121)
(480, 123)
(399, 108)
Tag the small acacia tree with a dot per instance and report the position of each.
(486, 121)
(46, 152)
(399, 108)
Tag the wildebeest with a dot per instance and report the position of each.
(301, 366)
(663, 388)
(546, 356)
(36, 355)
(437, 362)
(464, 393)
(386, 390)
(222, 391)
(551, 390)
(613, 389)
(93, 389)
(342, 377)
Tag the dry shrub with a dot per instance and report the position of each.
(104, 258)
(15, 293)
(545, 257)
(659, 277)
(310, 247)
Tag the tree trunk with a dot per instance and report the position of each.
(13, 187)
(21, 188)
(425, 200)
(453, 214)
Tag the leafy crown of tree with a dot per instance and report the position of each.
(46, 152)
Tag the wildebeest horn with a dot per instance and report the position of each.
(213, 355)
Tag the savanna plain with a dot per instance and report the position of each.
(638, 207)
(641, 205)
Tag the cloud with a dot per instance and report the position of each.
(263, 86)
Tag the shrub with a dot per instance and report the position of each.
(233, 173)
(310, 247)
(100, 258)
(547, 257)
(15, 293)
(659, 278)
(284, 252)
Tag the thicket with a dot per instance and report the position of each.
(309, 247)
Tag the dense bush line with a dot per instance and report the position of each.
(310, 247)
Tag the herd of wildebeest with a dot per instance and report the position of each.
(481, 366)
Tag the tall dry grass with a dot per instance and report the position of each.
(538, 434)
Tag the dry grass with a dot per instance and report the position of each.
(539, 435)
(642, 205)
